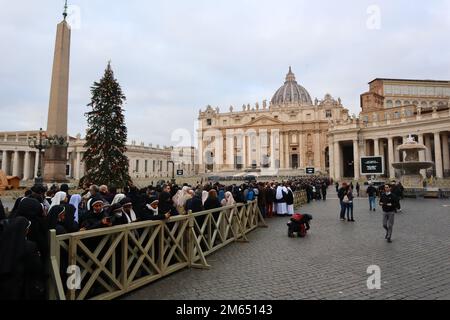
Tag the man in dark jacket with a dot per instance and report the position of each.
(341, 194)
(389, 203)
(372, 194)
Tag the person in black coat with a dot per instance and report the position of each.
(96, 217)
(33, 211)
(195, 204)
(21, 268)
(2, 211)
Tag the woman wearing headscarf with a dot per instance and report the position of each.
(180, 199)
(229, 199)
(21, 268)
(204, 196)
(75, 201)
(117, 198)
(59, 198)
(56, 219)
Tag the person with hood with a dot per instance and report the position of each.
(21, 268)
(229, 200)
(59, 199)
(75, 201)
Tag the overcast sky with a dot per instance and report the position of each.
(174, 57)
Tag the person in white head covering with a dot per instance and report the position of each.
(117, 198)
(205, 196)
(59, 197)
(75, 201)
(281, 202)
(228, 200)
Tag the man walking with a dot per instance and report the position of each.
(372, 194)
(389, 203)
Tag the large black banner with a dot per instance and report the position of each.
(372, 166)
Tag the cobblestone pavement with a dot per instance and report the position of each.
(330, 263)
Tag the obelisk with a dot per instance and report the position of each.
(55, 159)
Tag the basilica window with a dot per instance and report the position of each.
(389, 104)
(208, 122)
(398, 103)
(224, 122)
(329, 114)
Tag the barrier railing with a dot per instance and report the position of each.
(107, 263)
(300, 199)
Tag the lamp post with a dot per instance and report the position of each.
(43, 143)
(173, 171)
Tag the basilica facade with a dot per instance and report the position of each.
(292, 133)
(288, 134)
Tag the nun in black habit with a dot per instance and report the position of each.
(33, 210)
(21, 268)
(96, 217)
(57, 217)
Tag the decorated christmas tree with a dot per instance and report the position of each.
(105, 159)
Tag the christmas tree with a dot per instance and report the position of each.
(105, 159)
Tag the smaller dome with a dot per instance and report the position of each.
(291, 92)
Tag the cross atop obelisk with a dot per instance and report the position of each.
(56, 157)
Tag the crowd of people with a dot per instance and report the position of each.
(23, 265)
(24, 246)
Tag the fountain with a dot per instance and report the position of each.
(411, 178)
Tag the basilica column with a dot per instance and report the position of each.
(428, 155)
(5, 162)
(300, 150)
(423, 172)
(356, 159)
(337, 161)
(244, 153)
(36, 163)
(317, 152)
(331, 159)
(376, 146)
(391, 157)
(287, 160)
(273, 150)
(16, 164)
(77, 166)
(438, 155)
(282, 155)
(445, 153)
(258, 150)
(26, 166)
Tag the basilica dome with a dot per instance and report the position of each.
(291, 92)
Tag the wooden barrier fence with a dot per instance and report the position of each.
(299, 199)
(106, 263)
